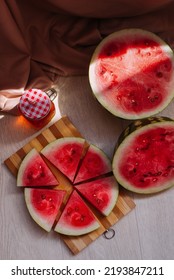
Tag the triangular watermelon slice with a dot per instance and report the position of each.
(33, 172)
(101, 193)
(94, 164)
(43, 205)
(76, 218)
(65, 154)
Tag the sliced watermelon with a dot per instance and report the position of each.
(95, 163)
(65, 154)
(131, 74)
(77, 218)
(33, 171)
(43, 205)
(144, 161)
(101, 193)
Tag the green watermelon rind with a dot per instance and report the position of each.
(46, 224)
(57, 144)
(23, 167)
(119, 153)
(94, 87)
(114, 193)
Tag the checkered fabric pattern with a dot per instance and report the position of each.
(34, 104)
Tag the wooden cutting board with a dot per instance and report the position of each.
(64, 128)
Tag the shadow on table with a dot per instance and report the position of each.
(94, 122)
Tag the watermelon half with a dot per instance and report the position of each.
(33, 172)
(101, 193)
(65, 154)
(144, 160)
(76, 218)
(94, 164)
(131, 74)
(43, 205)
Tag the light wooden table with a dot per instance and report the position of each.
(147, 232)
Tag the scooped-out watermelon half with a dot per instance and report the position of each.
(144, 159)
(65, 154)
(131, 74)
(33, 172)
(94, 164)
(76, 219)
(43, 205)
(101, 193)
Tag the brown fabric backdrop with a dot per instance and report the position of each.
(42, 39)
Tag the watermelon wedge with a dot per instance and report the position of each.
(76, 219)
(94, 164)
(43, 205)
(65, 154)
(101, 193)
(131, 74)
(33, 172)
(144, 159)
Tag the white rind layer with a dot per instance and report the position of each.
(69, 230)
(33, 153)
(61, 142)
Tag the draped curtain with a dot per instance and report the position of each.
(43, 39)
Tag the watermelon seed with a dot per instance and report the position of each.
(72, 152)
(142, 180)
(154, 179)
(50, 199)
(99, 200)
(69, 211)
(82, 218)
(170, 167)
(149, 90)
(159, 74)
(136, 163)
(165, 174)
(43, 196)
(134, 102)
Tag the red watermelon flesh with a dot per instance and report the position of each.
(144, 161)
(33, 171)
(132, 74)
(65, 154)
(94, 164)
(101, 193)
(76, 218)
(43, 205)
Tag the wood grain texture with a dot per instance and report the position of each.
(145, 233)
(64, 128)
